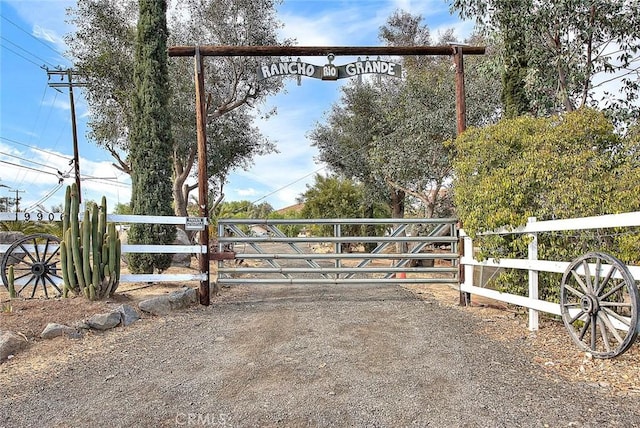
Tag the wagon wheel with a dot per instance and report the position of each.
(599, 304)
(36, 263)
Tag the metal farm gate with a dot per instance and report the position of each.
(336, 251)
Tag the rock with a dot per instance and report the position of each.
(181, 259)
(81, 325)
(181, 299)
(156, 305)
(11, 344)
(162, 305)
(128, 314)
(54, 330)
(105, 321)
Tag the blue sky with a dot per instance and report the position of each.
(35, 119)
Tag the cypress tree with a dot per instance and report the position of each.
(151, 145)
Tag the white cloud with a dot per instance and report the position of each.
(58, 102)
(247, 192)
(48, 20)
(46, 34)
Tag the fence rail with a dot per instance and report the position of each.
(532, 264)
(127, 248)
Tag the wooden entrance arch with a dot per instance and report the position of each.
(456, 51)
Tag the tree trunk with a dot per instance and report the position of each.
(397, 203)
(369, 229)
(179, 189)
(397, 210)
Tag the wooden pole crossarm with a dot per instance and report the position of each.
(324, 50)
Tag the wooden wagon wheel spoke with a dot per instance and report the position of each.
(36, 262)
(606, 279)
(584, 329)
(615, 289)
(25, 285)
(617, 304)
(605, 336)
(578, 316)
(587, 277)
(580, 283)
(623, 320)
(600, 310)
(607, 323)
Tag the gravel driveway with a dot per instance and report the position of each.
(339, 356)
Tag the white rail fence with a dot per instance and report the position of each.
(160, 249)
(195, 223)
(532, 264)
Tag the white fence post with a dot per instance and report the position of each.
(533, 277)
(468, 268)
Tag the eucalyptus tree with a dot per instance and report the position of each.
(103, 47)
(574, 52)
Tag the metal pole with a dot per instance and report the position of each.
(203, 190)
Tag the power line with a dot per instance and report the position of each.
(30, 161)
(17, 198)
(23, 57)
(31, 35)
(290, 184)
(28, 167)
(116, 184)
(45, 197)
(25, 50)
(361, 149)
(35, 148)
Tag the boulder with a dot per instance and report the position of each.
(156, 305)
(128, 314)
(11, 344)
(55, 330)
(176, 300)
(181, 299)
(105, 321)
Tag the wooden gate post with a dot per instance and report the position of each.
(203, 183)
(461, 118)
(461, 105)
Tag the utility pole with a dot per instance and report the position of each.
(68, 73)
(17, 198)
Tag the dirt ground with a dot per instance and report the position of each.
(296, 356)
(550, 347)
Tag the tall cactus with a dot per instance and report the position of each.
(90, 253)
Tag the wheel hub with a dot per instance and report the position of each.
(38, 268)
(589, 304)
